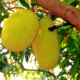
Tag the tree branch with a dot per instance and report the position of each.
(62, 10)
(39, 10)
(8, 2)
(47, 71)
(11, 9)
(23, 69)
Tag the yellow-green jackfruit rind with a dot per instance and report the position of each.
(20, 30)
(46, 45)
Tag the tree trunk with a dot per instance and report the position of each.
(62, 10)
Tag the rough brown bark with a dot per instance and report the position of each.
(63, 10)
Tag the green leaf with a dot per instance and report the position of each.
(22, 56)
(13, 54)
(71, 48)
(77, 48)
(3, 63)
(75, 66)
(5, 14)
(40, 15)
(78, 77)
(63, 78)
(65, 27)
(4, 53)
(61, 73)
(1, 60)
(33, 3)
(0, 15)
(6, 70)
(23, 3)
(53, 18)
(68, 1)
(29, 49)
(74, 36)
(0, 0)
(2, 18)
(63, 62)
(26, 55)
(74, 3)
(63, 48)
(2, 8)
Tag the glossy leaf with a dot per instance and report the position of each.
(40, 15)
(23, 3)
(33, 3)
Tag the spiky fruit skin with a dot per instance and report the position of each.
(46, 45)
(19, 30)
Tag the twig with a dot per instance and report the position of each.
(11, 8)
(47, 71)
(63, 37)
(56, 26)
(13, 62)
(39, 10)
(23, 69)
(21, 66)
(8, 2)
(2, 49)
(64, 24)
(15, 73)
(8, 8)
(65, 33)
(66, 29)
